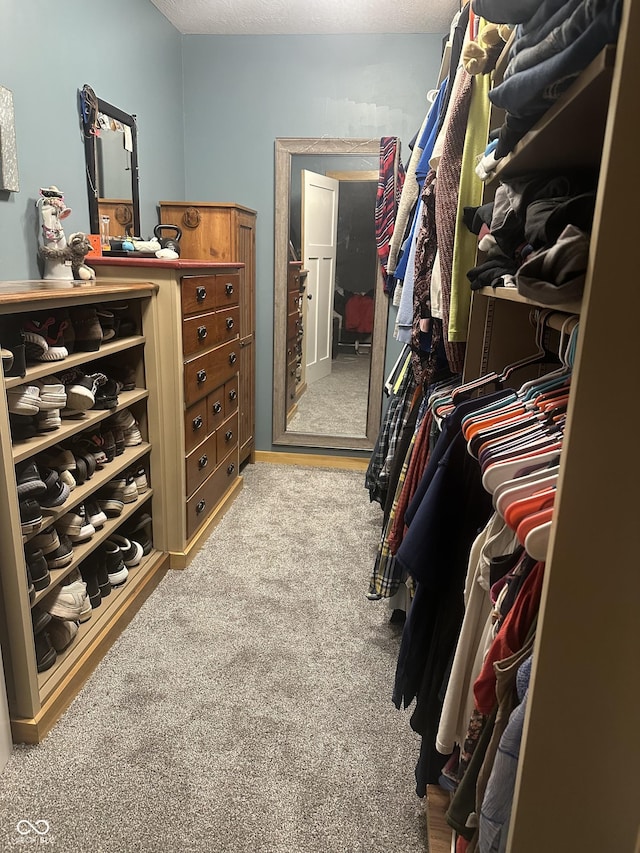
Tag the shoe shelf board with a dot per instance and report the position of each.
(100, 478)
(72, 426)
(570, 134)
(76, 359)
(41, 294)
(510, 294)
(81, 550)
(60, 684)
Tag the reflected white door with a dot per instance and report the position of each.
(319, 243)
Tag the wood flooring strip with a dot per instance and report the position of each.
(439, 831)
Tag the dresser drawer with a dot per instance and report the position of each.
(196, 425)
(206, 330)
(293, 324)
(291, 383)
(231, 396)
(202, 293)
(205, 372)
(227, 436)
(293, 301)
(216, 408)
(293, 281)
(204, 500)
(200, 463)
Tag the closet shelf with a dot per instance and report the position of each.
(510, 294)
(571, 132)
(81, 493)
(76, 359)
(24, 449)
(38, 293)
(83, 549)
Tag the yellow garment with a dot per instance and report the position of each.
(469, 195)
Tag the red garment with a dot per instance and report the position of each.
(358, 314)
(510, 638)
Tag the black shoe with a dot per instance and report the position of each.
(63, 554)
(87, 329)
(89, 572)
(38, 567)
(138, 530)
(40, 618)
(30, 516)
(57, 491)
(30, 587)
(45, 653)
(12, 338)
(30, 483)
(116, 569)
(107, 395)
(102, 575)
(22, 426)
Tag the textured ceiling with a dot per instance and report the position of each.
(271, 17)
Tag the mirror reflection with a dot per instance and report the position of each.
(111, 165)
(335, 328)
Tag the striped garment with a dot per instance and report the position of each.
(390, 181)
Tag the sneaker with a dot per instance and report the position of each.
(106, 318)
(76, 525)
(68, 602)
(12, 337)
(62, 556)
(109, 444)
(30, 587)
(49, 330)
(132, 436)
(123, 488)
(62, 633)
(122, 420)
(52, 393)
(47, 540)
(81, 388)
(100, 563)
(24, 400)
(124, 374)
(107, 395)
(48, 420)
(37, 567)
(30, 516)
(7, 360)
(131, 551)
(137, 529)
(118, 437)
(116, 569)
(87, 329)
(58, 457)
(28, 479)
(45, 653)
(22, 427)
(40, 619)
(57, 491)
(95, 515)
(140, 479)
(89, 572)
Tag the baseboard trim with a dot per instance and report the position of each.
(313, 460)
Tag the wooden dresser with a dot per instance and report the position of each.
(226, 233)
(199, 357)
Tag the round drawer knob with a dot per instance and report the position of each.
(201, 376)
(197, 422)
(229, 322)
(233, 394)
(228, 435)
(201, 293)
(200, 506)
(229, 288)
(217, 408)
(233, 358)
(231, 468)
(202, 333)
(203, 462)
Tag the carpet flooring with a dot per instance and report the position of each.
(246, 707)
(337, 403)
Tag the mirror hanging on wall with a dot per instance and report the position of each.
(111, 161)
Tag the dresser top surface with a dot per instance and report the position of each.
(222, 204)
(158, 263)
(36, 290)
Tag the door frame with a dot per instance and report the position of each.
(285, 148)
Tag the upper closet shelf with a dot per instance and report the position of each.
(571, 133)
(510, 294)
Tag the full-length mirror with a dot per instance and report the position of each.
(330, 315)
(111, 157)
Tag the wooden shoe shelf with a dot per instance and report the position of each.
(36, 700)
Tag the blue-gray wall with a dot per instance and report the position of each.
(209, 109)
(132, 57)
(242, 92)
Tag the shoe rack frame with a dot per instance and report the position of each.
(36, 700)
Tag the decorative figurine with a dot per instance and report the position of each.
(61, 260)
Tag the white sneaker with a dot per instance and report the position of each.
(52, 393)
(24, 400)
(67, 604)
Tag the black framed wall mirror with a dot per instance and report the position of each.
(111, 164)
(339, 406)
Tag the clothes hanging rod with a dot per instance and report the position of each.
(556, 320)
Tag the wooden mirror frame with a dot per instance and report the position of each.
(91, 170)
(285, 148)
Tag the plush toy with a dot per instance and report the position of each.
(79, 247)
